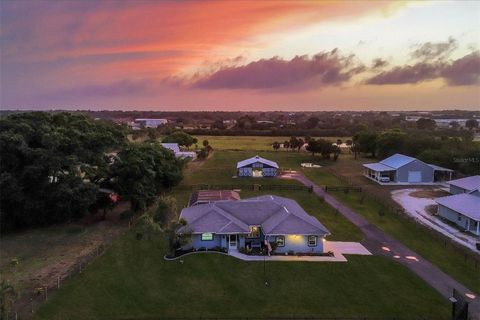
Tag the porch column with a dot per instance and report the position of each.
(468, 224)
(478, 228)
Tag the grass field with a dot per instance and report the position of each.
(44, 254)
(260, 143)
(221, 167)
(133, 281)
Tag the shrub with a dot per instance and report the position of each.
(127, 214)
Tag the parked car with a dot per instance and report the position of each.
(384, 179)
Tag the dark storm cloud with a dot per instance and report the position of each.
(433, 63)
(379, 63)
(325, 68)
(463, 71)
(435, 50)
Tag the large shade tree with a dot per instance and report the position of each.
(180, 137)
(41, 159)
(142, 171)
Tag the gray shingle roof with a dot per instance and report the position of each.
(466, 204)
(276, 215)
(468, 183)
(249, 161)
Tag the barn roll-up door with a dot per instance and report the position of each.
(414, 176)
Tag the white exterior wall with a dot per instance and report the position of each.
(465, 223)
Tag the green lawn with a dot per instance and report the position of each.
(221, 167)
(416, 237)
(260, 143)
(133, 281)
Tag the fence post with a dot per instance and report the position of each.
(58, 282)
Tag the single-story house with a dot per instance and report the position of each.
(257, 167)
(463, 206)
(254, 223)
(208, 196)
(464, 185)
(178, 153)
(403, 169)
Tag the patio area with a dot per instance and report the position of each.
(339, 249)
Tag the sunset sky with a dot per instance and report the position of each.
(240, 55)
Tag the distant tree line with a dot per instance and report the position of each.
(458, 152)
(55, 167)
(276, 132)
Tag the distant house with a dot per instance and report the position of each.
(463, 206)
(254, 223)
(150, 123)
(178, 153)
(257, 167)
(401, 169)
(208, 196)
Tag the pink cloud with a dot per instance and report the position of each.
(325, 68)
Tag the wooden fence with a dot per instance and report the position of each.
(345, 189)
(254, 187)
(391, 207)
(32, 297)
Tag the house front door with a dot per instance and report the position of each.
(232, 243)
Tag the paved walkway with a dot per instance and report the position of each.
(380, 243)
(338, 248)
(416, 208)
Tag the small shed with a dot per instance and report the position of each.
(257, 167)
(208, 196)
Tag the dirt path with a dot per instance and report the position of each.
(380, 243)
(416, 207)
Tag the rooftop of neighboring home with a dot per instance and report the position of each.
(255, 159)
(172, 146)
(396, 161)
(465, 203)
(276, 215)
(468, 183)
(207, 196)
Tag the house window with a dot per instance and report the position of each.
(312, 241)
(280, 240)
(459, 217)
(254, 232)
(207, 236)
